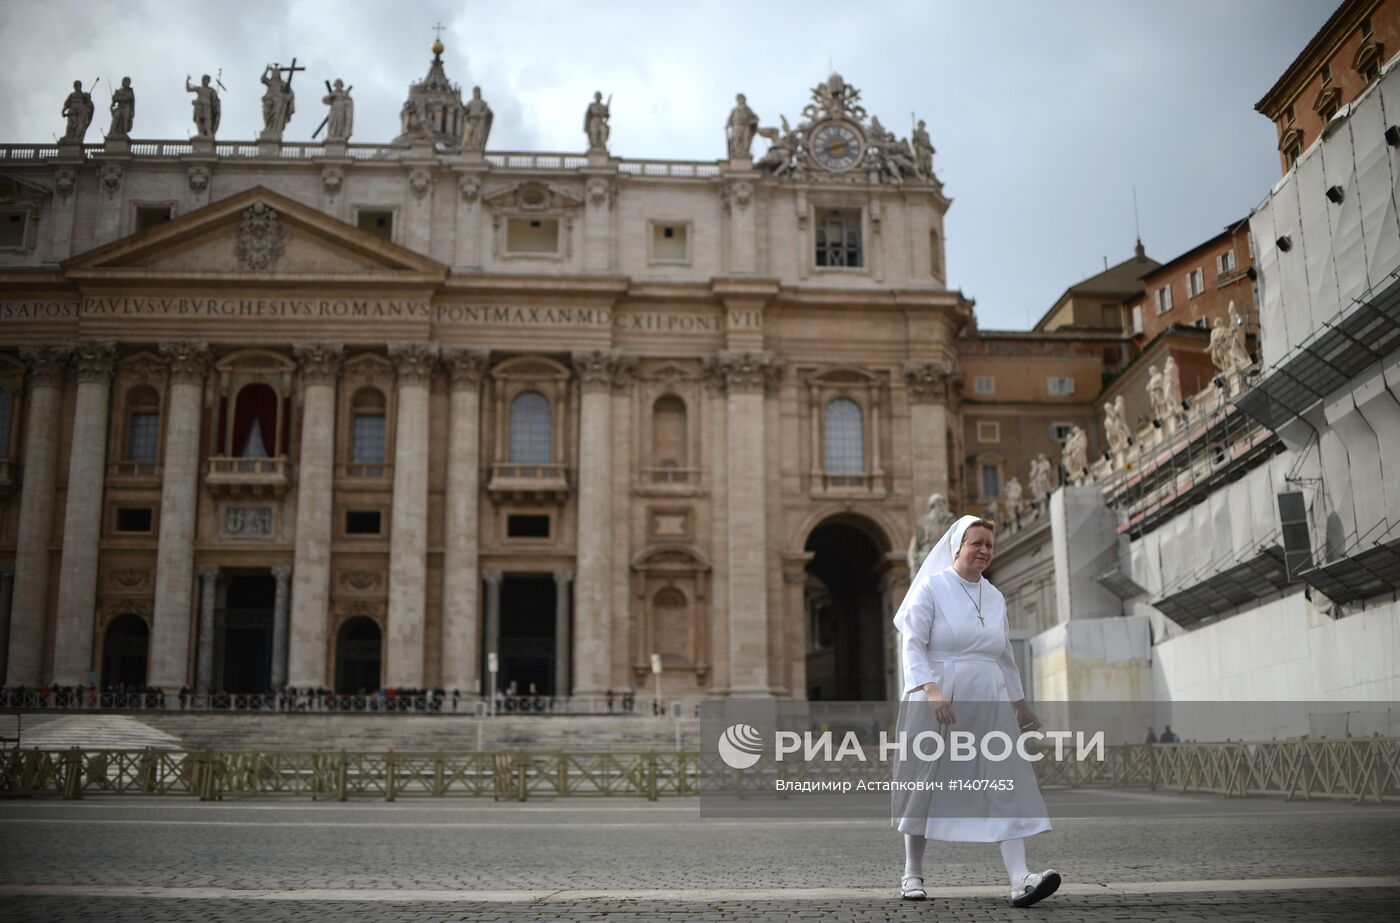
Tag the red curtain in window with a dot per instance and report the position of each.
(256, 406)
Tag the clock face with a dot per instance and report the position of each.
(837, 145)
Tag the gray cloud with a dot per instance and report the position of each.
(1045, 116)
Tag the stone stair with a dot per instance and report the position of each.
(365, 733)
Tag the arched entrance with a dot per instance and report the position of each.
(125, 649)
(844, 615)
(357, 653)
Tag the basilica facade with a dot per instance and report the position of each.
(352, 415)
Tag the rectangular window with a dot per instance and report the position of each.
(1061, 386)
(145, 429)
(532, 235)
(134, 519)
(988, 432)
(1164, 299)
(368, 447)
(838, 237)
(527, 527)
(12, 229)
(1137, 318)
(362, 522)
(1225, 262)
(148, 216)
(991, 481)
(1195, 282)
(376, 221)
(670, 243)
(984, 384)
(1060, 431)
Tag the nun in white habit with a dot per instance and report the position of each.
(955, 652)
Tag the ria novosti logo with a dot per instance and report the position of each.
(740, 746)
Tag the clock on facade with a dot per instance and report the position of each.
(837, 145)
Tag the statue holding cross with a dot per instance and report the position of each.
(278, 102)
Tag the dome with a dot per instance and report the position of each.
(434, 108)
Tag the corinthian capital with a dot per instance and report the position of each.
(744, 371)
(927, 381)
(602, 368)
(466, 366)
(320, 362)
(46, 364)
(414, 361)
(94, 361)
(189, 360)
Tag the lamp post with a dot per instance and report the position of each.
(656, 676)
(493, 664)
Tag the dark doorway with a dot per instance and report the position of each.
(357, 647)
(527, 642)
(845, 630)
(125, 651)
(244, 630)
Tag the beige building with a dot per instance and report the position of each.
(358, 415)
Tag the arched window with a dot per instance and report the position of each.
(357, 656)
(845, 438)
(668, 432)
(6, 412)
(367, 445)
(142, 424)
(529, 429)
(255, 422)
(672, 630)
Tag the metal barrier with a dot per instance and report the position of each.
(88, 699)
(1361, 770)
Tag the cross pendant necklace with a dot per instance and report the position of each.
(975, 602)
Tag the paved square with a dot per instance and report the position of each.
(162, 859)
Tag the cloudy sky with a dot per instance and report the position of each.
(1045, 115)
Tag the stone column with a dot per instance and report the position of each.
(593, 595)
(31, 593)
(408, 538)
(461, 625)
(928, 431)
(562, 581)
(7, 585)
(305, 649)
(179, 507)
(745, 376)
(204, 660)
(493, 618)
(280, 610)
(82, 517)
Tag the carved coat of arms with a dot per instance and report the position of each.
(261, 238)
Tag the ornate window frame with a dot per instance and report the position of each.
(686, 569)
(365, 370)
(869, 391)
(681, 379)
(517, 482)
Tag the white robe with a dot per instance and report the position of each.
(945, 643)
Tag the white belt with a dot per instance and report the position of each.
(954, 656)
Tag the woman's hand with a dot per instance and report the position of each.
(1025, 718)
(942, 705)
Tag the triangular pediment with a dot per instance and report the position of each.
(256, 233)
(532, 195)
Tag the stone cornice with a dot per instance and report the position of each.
(95, 361)
(320, 362)
(189, 360)
(46, 364)
(414, 362)
(465, 367)
(744, 371)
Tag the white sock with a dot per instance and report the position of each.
(1013, 856)
(914, 855)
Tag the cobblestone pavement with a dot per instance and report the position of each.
(162, 859)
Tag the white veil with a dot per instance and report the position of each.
(938, 560)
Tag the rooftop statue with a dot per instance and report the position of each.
(479, 117)
(77, 109)
(595, 123)
(207, 110)
(123, 110)
(741, 127)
